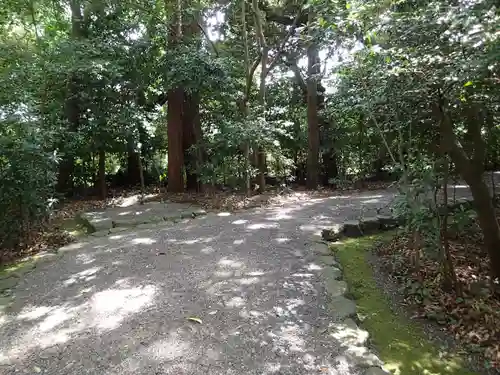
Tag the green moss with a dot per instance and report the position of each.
(401, 344)
(16, 269)
(76, 227)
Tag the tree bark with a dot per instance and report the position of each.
(244, 104)
(471, 170)
(133, 172)
(72, 105)
(312, 112)
(191, 122)
(260, 152)
(175, 146)
(330, 166)
(102, 173)
(191, 112)
(175, 103)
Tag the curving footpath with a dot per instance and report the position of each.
(254, 292)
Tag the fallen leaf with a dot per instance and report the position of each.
(195, 319)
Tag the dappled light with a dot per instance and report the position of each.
(249, 284)
(143, 241)
(191, 187)
(110, 307)
(262, 226)
(239, 222)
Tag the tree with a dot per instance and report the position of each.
(312, 108)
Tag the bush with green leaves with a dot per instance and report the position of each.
(27, 178)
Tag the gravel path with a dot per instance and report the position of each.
(258, 281)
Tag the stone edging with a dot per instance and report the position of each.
(101, 227)
(380, 223)
(10, 279)
(344, 312)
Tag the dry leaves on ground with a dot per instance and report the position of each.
(472, 318)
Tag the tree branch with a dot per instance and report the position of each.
(251, 72)
(212, 44)
(285, 40)
(292, 64)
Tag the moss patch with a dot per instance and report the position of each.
(76, 227)
(401, 344)
(16, 269)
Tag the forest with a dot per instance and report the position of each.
(243, 95)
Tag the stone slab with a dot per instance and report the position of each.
(341, 308)
(101, 233)
(352, 228)
(331, 274)
(370, 225)
(336, 288)
(152, 212)
(319, 248)
(9, 283)
(375, 371)
(5, 302)
(329, 260)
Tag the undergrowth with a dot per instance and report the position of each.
(401, 344)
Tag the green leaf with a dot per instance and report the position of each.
(347, 6)
(469, 83)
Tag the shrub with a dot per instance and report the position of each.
(27, 178)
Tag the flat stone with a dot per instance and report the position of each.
(189, 214)
(335, 288)
(72, 246)
(388, 221)
(5, 303)
(199, 212)
(98, 220)
(6, 274)
(370, 225)
(8, 283)
(331, 235)
(375, 371)
(45, 257)
(24, 269)
(329, 260)
(349, 334)
(101, 233)
(350, 323)
(331, 274)
(147, 226)
(352, 228)
(362, 357)
(127, 222)
(118, 229)
(341, 308)
(319, 249)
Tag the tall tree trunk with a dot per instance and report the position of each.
(191, 121)
(133, 170)
(141, 176)
(486, 215)
(175, 110)
(175, 147)
(260, 152)
(471, 170)
(72, 107)
(312, 111)
(191, 113)
(330, 166)
(244, 104)
(102, 173)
